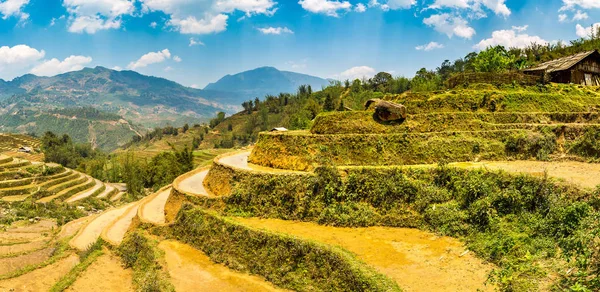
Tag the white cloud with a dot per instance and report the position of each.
(586, 32)
(90, 16)
(585, 4)
(510, 39)
(10, 8)
(207, 25)
(520, 28)
(153, 24)
(196, 86)
(117, 68)
(275, 30)
(562, 17)
(92, 24)
(250, 7)
(327, 7)
(360, 8)
(177, 59)
(150, 58)
(497, 6)
(450, 25)
(580, 16)
(21, 55)
(54, 66)
(430, 47)
(358, 72)
(194, 42)
(168, 69)
(392, 4)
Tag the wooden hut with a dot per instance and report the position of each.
(582, 68)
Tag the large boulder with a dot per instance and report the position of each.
(386, 111)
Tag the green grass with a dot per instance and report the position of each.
(86, 258)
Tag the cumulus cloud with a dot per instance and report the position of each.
(585, 4)
(10, 8)
(150, 58)
(209, 24)
(497, 6)
(194, 42)
(430, 47)
(580, 16)
(360, 8)
(562, 17)
(586, 32)
(205, 17)
(327, 7)
(177, 59)
(90, 16)
(19, 55)
(510, 39)
(153, 24)
(450, 25)
(358, 72)
(275, 30)
(520, 28)
(55, 66)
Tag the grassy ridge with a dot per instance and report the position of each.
(285, 261)
(303, 151)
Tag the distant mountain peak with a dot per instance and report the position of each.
(263, 81)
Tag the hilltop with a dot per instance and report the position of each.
(264, 81)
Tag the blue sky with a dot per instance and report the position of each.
(195, 42)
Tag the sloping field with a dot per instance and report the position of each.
(192, 270)
(104, 274)
(416, 260)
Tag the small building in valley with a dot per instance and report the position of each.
(582, 68)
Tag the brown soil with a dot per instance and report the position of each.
(21, 248)
(153, 210)
(194, 184)
(12, 264)
(191, 270)
(41, 279)
(7, 238)
(104, 274)
(586, 175)
(72, 227)
(90, 233)
(115, 232)
(38, 227)
(416, 260)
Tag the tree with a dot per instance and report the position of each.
(186, 127)
(493, 59)
(381, 80)
(329, 103)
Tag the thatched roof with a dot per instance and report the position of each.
(562, 64)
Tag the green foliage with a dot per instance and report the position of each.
(493, 59)
(141, 254)
(63, 151)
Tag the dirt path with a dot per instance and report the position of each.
(90, 233)
(194, 184)
(240, 160)
(115, 232)
(109, 189)
(416, 260)
(104, 274)
(192, 270)
(586, 175)
(41, 279)
(72, 227)
(86, 193)
(153, 210)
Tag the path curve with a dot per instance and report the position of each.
(80, 196)
(152, 210)
(90, 233)
(115, 231)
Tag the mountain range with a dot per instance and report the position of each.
(133, 101)
(265, 81)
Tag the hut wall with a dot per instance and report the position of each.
(587, 72)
